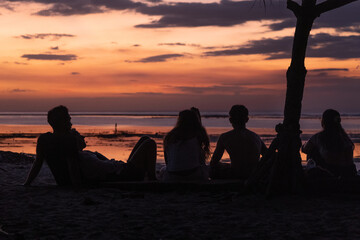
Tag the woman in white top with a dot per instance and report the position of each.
(331, 150)
(186, 148)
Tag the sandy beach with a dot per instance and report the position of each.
(44, 211)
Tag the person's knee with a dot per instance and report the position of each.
(150, 143)
(144, 138)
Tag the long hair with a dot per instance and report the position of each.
(333, 136)
(188, 126)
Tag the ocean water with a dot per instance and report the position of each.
(90, 124)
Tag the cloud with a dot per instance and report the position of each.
(329, 69)
(225, 13)
(18, 90)
(6, 6)
(179, 44)
(197, 14)
(266, 46)
(159, 58)
(52, 36)
(66, 57)
(345, 18)
(223, 89)
(54, 48)
(320, 45)
(230, 13)
(172, 44)
(68, 9)
(83, 7)
(75, 73)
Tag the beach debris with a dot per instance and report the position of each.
(3, 169)
(15, 236)
(2, 231)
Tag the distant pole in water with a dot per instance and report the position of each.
(115, 128)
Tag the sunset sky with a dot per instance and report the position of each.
(123, 55)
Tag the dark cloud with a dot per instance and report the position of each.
(329, 69)
(159, 58)
(52, 36)
(18, 90)
(82, 7)
(180, 44)
(154, 1)
(230, 13)
(75, 73)
(197, 14)
(320, 45)
(345, 18)
(66, 57)
(172, 44)
(118, 4)
(20, 63)
(225, 13)
(68, 9)
(266, 46)
(54, 48)
(338, 47)
(6, 6)
(223, 89)
(136, 45)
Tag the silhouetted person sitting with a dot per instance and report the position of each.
(330, 152)
(70, 165)
(243, 146)
(186, 148)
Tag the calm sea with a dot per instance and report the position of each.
(150, 122)
(264, 122)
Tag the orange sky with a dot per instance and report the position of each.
(103, 62)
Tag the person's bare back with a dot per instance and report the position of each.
(243, 146)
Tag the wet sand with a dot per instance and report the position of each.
(44, 211)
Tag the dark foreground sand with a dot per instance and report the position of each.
(44, 211)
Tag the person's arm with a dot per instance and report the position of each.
(308, 147)
(264, 149)
(218, 153)
(165, 157)
(80, 140)
(36, 167)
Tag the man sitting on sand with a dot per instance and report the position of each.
(70, 165)
(243, 146)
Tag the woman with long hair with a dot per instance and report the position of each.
(331, 149)
(186, 148)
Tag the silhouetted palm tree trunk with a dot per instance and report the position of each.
(285, 175)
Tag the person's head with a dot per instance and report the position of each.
(188, 126)
(59, 119)
(197, 112)
(333, 137)
(188, 120)
(239, 115)
(331, 120)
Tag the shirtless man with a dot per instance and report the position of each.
(243, 146)
(70, 165)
